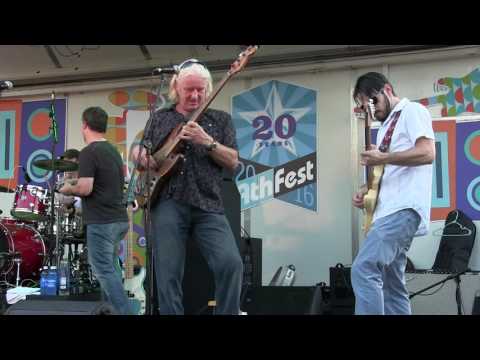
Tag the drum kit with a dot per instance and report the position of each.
(38, 235)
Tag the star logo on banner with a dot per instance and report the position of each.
(274, 111)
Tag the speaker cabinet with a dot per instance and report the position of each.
(280, 300)
(198, 281)
(60, 307)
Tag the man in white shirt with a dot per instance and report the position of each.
(404, 201)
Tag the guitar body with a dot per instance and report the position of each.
(375, 173)
(168, 159)
(135, 292)
(370, 199)
(158, 179)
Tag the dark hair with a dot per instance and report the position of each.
(370, 83)
(96, 118)
(71, 154)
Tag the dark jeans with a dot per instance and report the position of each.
(173, 223)
(103, 241)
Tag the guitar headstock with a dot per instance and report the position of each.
(370, 112)
(242, 59)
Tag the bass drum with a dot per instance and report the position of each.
(22, 241)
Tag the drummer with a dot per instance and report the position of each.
(73, 204)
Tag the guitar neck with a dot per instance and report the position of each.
(234, 69)
(368, 142)
(199, 112)
(129, 247)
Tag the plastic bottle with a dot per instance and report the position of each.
(43, 280)
(289, 278)
(63, 279)
(52, 281)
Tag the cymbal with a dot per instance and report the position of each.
(5, 189)
(62, 165)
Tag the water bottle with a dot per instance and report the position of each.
(52, 282)
(289, 278)
(63, 277)
(43, 280)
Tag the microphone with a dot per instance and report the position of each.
(52, 105)
(173, 70)
(6, 85)
(52, 116)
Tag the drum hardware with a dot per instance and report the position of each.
(17, 261)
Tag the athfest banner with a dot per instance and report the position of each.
(276, 125)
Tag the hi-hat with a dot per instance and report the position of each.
(61, 165)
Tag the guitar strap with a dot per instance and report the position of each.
(387, 139)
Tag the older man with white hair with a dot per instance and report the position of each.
(190, 204)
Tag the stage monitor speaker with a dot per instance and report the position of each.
(231, 203)
(280, 300)
(476, 304)
(198, 282)
(60, 307)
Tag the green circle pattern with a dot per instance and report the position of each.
(466, 147)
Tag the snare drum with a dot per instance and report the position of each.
(30, 203)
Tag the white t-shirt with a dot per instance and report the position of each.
(406, 187)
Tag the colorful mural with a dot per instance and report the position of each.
(456, 95)
(25, 131)
(125, 131)
(10, 127)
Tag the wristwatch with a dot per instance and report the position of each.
(212, 146)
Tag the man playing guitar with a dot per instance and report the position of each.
(407, 150)
(190, 205)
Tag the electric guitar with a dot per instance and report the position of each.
(374, 173)
(169, 156)
(134, 276)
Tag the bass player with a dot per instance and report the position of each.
(189, 205)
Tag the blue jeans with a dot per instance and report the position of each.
(173, 223)
(103, 241)
(378, 272)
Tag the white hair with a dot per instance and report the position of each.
(194, 69)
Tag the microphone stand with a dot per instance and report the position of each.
(54, 132)
(458, 294)
(149, 263)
